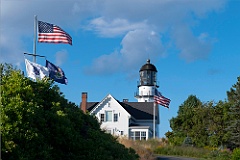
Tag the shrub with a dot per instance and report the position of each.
(236, 154)
(37, 122)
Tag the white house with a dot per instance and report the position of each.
(134, 120)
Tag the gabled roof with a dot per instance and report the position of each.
(138, 110)
(91, 105)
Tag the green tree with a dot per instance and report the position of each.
(218, 121)
(199, 132)
(234, 123)
(37, 122)
(188, 122)
(202, 123)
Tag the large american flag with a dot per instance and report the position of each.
(160, 99)
(51, 33)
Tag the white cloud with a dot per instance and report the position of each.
(11, 49)
(129, 57)
(61, 57)
(191, 48)
(174, 18)
(139, 45)
(114, 27)
(105, 64)
(142, 24)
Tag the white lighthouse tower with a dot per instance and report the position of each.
(147, 83)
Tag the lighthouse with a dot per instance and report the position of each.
(147, 83)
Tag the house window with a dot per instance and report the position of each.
(109, 116)
(102, 117)
(115, 118)
(143, 135)
(138, 135)
(132, 135)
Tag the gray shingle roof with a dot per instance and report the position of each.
(139, 110)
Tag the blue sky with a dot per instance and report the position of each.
(195, 46)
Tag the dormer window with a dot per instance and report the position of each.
(115, 118)
(102, 117)
(108, 116)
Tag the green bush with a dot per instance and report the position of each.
(236, 154)
(219, 155)
(37, 122)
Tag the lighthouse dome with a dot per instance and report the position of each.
(148, 66)
(147, 83)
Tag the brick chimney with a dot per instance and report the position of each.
(84, 102)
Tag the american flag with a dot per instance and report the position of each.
(160, 99)
(51, 33)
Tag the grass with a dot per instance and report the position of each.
(189, 151)
(143, 148)
(148, 150)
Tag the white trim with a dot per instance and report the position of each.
(139, 127)
(99, 104)
(108, 97)
(140, 136)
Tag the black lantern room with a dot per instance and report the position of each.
(148, 75)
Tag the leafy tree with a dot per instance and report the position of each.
(37, 122)
(218, 121)
(187, 123)
(204, 123)
(199, 132)
(234, 122)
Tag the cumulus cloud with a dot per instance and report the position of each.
(129, 57)
(17, 22)
(141, 25)
(105, 64)
(171, 19)
(61, 57)
(148, 44)
(11, 49)
(191, 47)
(115, 27)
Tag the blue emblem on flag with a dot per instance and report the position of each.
(36, 71)
(56, 73)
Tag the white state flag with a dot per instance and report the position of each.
(35, 71)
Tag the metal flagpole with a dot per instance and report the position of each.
(35, 39)
(154, 119)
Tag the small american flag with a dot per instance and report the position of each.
(51, 33)
(160, 99)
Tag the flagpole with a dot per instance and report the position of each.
(35, 39)
(154, 119)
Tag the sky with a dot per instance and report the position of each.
(194, 44)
